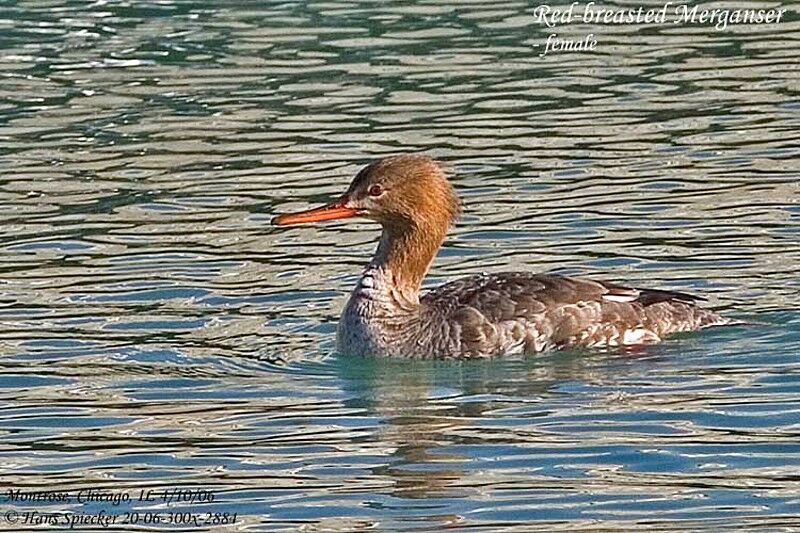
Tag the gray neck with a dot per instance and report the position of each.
(385, 298)
(381, 316)
(384, 313)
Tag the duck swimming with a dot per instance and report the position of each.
(484, 315)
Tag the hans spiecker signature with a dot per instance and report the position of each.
(670, 12)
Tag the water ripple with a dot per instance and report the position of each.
(158, 333)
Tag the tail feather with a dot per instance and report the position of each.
(740, 322)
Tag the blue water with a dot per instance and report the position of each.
(166, 347)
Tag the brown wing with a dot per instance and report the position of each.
(519, 311)
(506, 295)
(646, 296)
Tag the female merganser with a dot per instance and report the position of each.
(478, 316)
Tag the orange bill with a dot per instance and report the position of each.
(332, 211)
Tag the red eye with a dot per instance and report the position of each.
(375, 190)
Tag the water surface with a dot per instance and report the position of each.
(158, 334)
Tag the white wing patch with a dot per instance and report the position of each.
(623, 298)
(639, 336)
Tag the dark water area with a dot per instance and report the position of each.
(157, 334)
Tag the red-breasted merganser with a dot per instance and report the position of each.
(484, 315)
